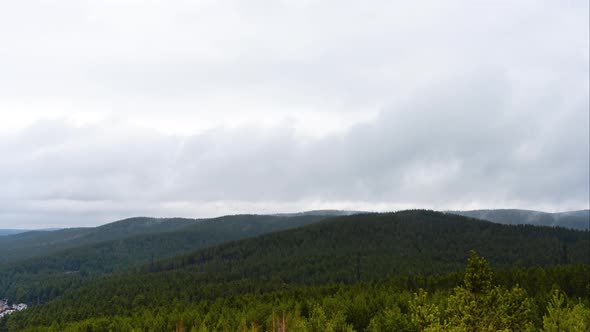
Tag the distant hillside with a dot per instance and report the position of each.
(12, 231)
(327, 213)
(372, 246)
(114, 255)
(573, 219)
(25, 244)
(41, 242)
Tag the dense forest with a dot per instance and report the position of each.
(371, 246)
(135, 237)
(476, 299)
(403, 271)
(74, 255)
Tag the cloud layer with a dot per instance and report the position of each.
(114, 109)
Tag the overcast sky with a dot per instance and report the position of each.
(112, 109)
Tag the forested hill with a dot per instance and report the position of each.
(130, 235)
(238, 280)
(41, 278)
(571, 219)
(38, 243)
(12, 231)
(371, 246)
(109, 256)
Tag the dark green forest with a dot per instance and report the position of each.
(40, 278)
(475, 299)
(135, 237)
(405, 271)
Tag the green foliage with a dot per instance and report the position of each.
(425, 315)
(478, 275)
(252, 305)
(478, 306)
(562, 317)
(392, 319)
(498, 309)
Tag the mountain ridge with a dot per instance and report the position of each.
(577, 219)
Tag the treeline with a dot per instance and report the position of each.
(551, 299)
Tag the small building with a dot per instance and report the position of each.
(20, 306)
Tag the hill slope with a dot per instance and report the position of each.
(371, 246)
(12, 231)
(29, 279)
(40, 242)
(25, 244)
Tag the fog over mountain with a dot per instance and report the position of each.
(570, 219)
(199, 109)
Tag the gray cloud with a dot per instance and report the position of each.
(458, 143)
(114, 109)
